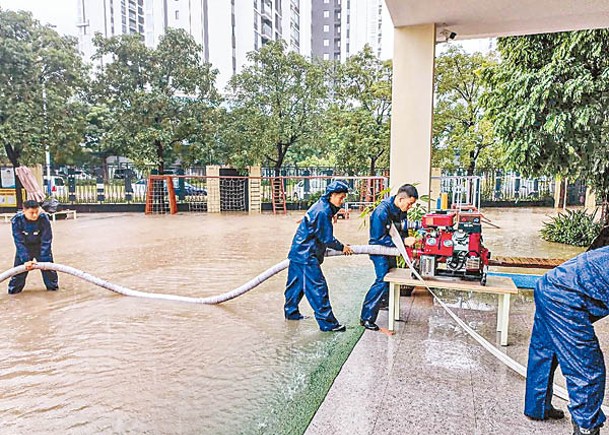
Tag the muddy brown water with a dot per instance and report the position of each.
(84, 360)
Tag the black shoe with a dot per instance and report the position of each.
(581, 431)
(552, 413)
(13, 291)
(371, 326)
(384, 308)
(297, 317)
(555, 414)
(53, 289)
(338, 328)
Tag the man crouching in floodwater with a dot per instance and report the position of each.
(313, 236)
(568, 300)
(33, 237)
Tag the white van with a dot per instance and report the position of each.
(58, 185)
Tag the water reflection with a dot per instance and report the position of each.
(84, 360)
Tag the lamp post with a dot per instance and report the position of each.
(47, 152)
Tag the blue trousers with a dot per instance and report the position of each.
(563, 335)
(308, 280)
(379, 290)
(17, 282)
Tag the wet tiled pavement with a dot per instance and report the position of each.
(432, 378)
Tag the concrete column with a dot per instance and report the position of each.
(213, 189)
(412, 106)
(255, 191)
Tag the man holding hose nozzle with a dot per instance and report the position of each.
(391, 210)
(33, 237)
(313, 236)
(568, 300)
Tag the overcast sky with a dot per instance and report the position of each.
(61, 13)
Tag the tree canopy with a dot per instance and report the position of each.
(358, 131)
(275, 106)
(549, 100)
(42, 80)
(162, 101)
(463, 136)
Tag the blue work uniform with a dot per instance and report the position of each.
(313, 236)
(33, 241)
(385, 214)
(568, 300)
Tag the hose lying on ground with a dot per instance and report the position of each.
(210, 300)
(255, 282)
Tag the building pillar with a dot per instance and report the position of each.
(412, 106)
(255, 191)
(213, 189)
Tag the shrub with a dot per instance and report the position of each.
(576, 227)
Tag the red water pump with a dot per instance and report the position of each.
(451, 246)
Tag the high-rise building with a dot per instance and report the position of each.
(341, 28)
(227, 29)
(108, 17)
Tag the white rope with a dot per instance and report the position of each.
(211, 300)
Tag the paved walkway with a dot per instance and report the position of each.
(432, 378)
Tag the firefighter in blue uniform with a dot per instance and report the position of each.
(568, 300)
(313, 236)
(33, 237)
(392, 210)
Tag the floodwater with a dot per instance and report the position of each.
(85, 360)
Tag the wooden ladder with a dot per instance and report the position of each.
(278, 196)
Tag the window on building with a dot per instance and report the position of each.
(326, 14)
(326, 28)
(326, 56)
(326, 1)
(326, 42)
(177, 15)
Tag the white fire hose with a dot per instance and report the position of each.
(255, 282)
(210, 300)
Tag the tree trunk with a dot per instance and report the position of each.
(605, 210)
(473, 156)
(13, 156)
(159, 155)
(372, 166)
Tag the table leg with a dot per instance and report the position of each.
(396, 296)
(499, 312)
(505, 320)
(390, 313)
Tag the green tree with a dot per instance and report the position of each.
(359, 119)
(162, 101)
(550, 105)
(275, 106)
(463, 136)
(42, 79)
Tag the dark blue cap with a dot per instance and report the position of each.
(337, 187)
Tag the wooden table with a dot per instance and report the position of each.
(503, 287)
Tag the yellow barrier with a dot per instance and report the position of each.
(8, 198)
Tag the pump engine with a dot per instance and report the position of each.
(451, 246)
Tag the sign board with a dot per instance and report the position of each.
(8, 199)
(7, 177)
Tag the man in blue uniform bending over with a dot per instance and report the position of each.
(33, 237)
(313, 236)
(392, 210)
(568, 300)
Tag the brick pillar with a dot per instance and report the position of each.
(255, 190)
(213, 189)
